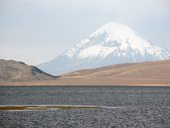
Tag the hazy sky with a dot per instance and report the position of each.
(36, 31)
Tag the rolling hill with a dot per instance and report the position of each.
(155, 73)
(15, 71)
(145, 73)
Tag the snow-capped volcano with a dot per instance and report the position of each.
(113, 43)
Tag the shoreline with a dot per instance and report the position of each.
(44, 107)
(91, 82)
(84, 85)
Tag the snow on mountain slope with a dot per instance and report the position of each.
(113, 43)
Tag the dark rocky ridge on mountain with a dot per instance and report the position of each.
(15, 71)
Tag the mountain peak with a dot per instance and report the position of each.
(112, 38)
(116, 33)
(114, 28)
(112, 43)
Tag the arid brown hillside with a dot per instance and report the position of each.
(147, 73)
(14, 71)
(145, 70)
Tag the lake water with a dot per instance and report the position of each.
(138, 107)
(105, 96)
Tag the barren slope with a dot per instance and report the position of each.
(157, 72)
(147, 73)
(11, 70)
(145, 70)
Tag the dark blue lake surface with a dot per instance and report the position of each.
(104, 96)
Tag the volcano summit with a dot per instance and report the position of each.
(113, 43)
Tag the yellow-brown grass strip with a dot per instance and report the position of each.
(43, 107)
